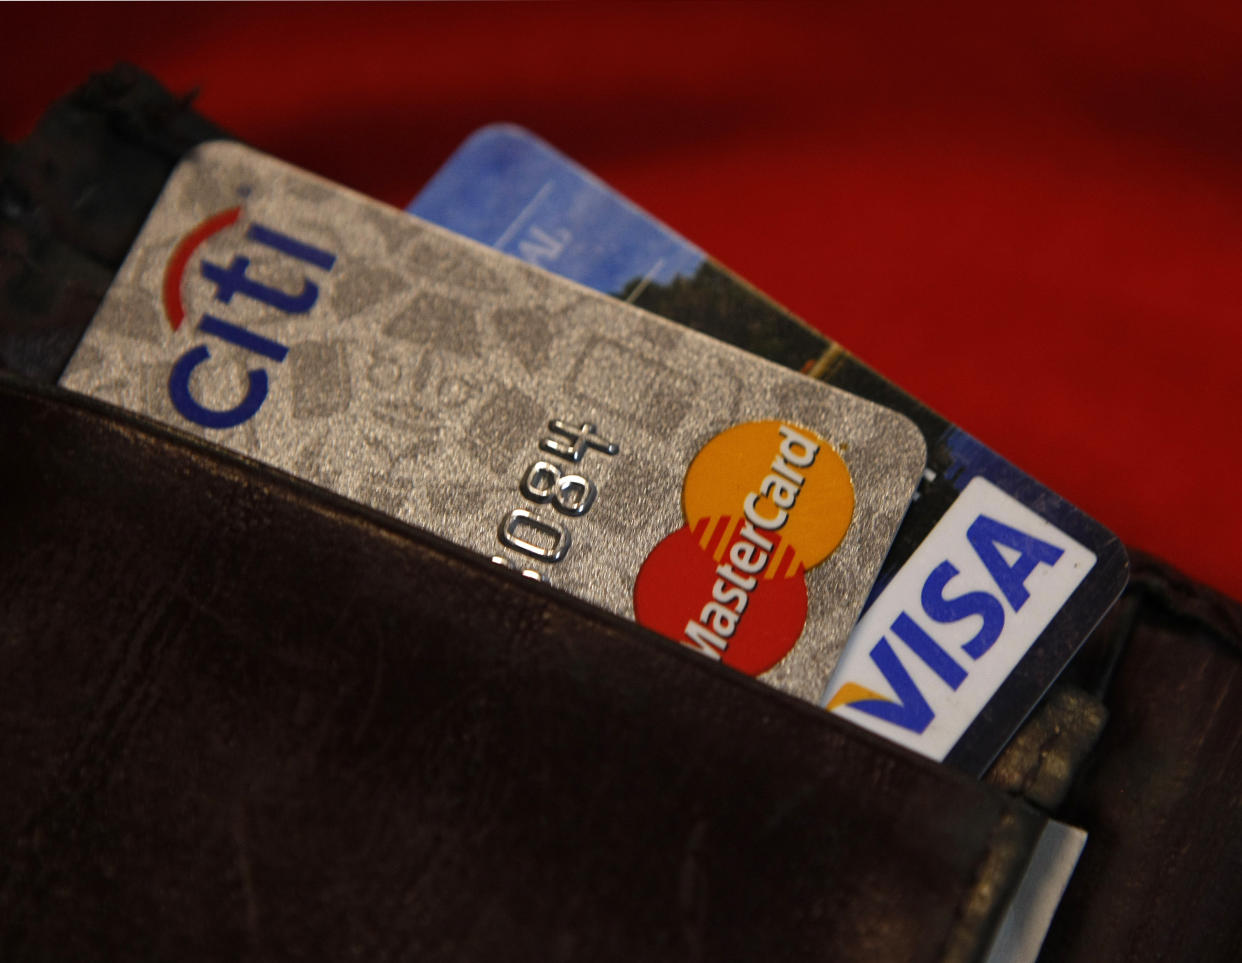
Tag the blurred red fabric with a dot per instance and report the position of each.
(1030, 218)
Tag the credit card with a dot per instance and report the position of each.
(993, 580)
(640, 466)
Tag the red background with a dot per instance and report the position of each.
(1029, 219)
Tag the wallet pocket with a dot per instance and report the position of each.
(243, 716)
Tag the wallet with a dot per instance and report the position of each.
(244, 718)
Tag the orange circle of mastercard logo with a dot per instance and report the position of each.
(764, 501)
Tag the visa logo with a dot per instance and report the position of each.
(236, 280)
(942, 637)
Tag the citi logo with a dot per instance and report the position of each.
(230, 281)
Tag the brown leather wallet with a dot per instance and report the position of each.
(242, 717)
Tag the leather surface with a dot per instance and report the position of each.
(73, 196)
(1160, 795)
(243, 720)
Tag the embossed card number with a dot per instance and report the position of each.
(546, 484)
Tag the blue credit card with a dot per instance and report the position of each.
(992, 582)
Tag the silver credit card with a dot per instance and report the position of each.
(732, 504)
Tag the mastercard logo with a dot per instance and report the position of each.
(764, 502)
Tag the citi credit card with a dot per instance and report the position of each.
(992, 582)
(646, 468)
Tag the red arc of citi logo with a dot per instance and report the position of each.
(764, 501)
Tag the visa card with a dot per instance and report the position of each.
(992, 582)
(640, 466)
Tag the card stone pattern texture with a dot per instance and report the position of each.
(422, 376)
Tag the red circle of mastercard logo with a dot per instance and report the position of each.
(764, 502)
